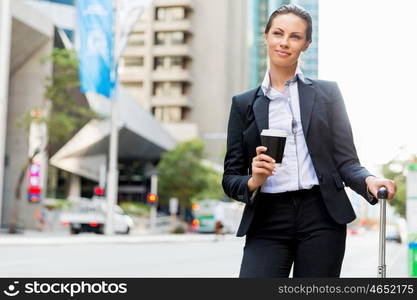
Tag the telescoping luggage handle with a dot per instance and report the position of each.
(382, 196)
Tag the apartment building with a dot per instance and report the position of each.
(184, 61)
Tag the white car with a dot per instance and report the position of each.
(89, 215)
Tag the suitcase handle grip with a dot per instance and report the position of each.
(382, 193)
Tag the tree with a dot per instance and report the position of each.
(214, 189)
(68, 111)
(395, 170)
(67, 115)
(182, 174)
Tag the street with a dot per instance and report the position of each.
(166, 256)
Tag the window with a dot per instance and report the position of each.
(168, 114)
(159, 62)
(185, 87)
(178, 62)
(177, 37)
(171, 114)
(159, 89)
(185, 111)
(160, 14)
(175, 114)
(133, 61)
(136, 39)
(170, 89)
(160, 38)
(157, 112)
(176, 89)
(177, 13)
(170, 13)
(179, 88)
(169, 62)
(174, 38)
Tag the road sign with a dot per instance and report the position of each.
(173, 206)
(34, 189)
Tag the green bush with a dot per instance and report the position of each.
(178, 230)
(59, 204)
(136, 209)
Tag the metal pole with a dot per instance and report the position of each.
(153, 213)
(382, 196)
(113, 172)
(112, 187)
(5, 38)
(173, 209)
(382, 266)
(102, 177)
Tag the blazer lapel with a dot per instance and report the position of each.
(261, 111)
(307, 96)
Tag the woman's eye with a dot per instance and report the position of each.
(277, 33)
(296, 36)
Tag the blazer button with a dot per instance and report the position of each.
(321, 177)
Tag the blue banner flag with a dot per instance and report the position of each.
(95, 23)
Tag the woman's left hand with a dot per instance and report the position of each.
(375, 183)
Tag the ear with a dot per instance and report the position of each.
(265, 39)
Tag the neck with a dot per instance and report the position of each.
(280, 75)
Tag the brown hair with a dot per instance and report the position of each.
(295, 10)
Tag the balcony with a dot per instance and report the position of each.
(170, 3)
(179, 25)
(172, 50)
(171, 75)
(131, 74)
(184, 101)
(134, 51)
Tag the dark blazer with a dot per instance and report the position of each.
(328, 136)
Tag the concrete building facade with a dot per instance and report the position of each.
(184, 61)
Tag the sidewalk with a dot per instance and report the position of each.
(41, 238)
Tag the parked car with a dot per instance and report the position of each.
(89, 215)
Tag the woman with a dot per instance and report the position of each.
(300, 214)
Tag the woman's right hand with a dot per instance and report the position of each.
(263, 166)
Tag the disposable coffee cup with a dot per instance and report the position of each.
(274, 140)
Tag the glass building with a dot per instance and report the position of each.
(259, 12)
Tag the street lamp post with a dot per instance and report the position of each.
(113, 175)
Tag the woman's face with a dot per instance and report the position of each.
(286, 40)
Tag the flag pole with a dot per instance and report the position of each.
(113, 175)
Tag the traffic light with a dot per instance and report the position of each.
(152, 198)
(98, 191)
(195, 224)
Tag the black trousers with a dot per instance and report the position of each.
(293, 228)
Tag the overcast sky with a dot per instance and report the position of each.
(370, 48)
